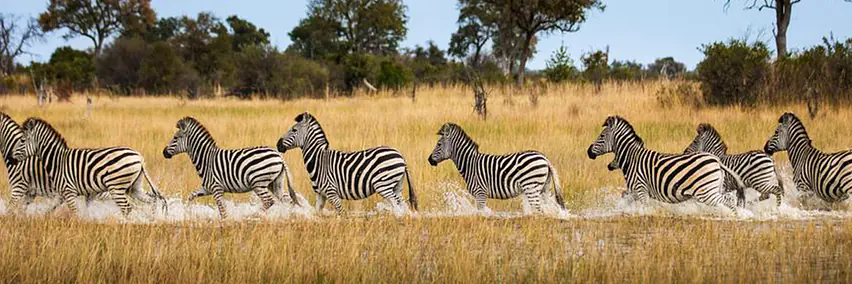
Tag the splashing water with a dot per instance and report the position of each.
(458, 202)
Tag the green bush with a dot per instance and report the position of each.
(393, 75)
(732, 72)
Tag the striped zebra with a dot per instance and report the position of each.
(87, 172)
(258, 169)
(828, 175)
(337, 175)
(755, 168)
(496, 176)
(670, 178)
(27, 177)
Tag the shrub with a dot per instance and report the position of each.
(393, 75)
(680, 93)
(731, 73)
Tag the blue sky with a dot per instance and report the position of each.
(633, 30)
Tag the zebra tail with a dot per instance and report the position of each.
(740, 185)
(156, 192)
(412, 197)
(557, 189)
(290, 190)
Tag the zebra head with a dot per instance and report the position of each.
(179, 142)
(37, 137)
(707, 140)
(616, 131)
(451, 137)
(297, 136)
(780, 140)
(10, 136)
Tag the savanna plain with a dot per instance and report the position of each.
(600, 239)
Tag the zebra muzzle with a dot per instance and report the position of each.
(432, 161)
(166, 154)
(591, 154)
(280, 146)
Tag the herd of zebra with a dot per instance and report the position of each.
(41, 164)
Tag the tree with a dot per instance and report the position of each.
(246, 33)
(560, 66)
(96, 19)
(316, 38)
(15, 40)
(472, 33)
(596, 67)
(783, 12)
(362, 26)
(528, 18)
(667, 67)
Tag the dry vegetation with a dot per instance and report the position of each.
(429, 247)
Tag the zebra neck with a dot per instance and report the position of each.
(8, 143)
(200, 154)
(800, 149)
(312, 157)
(628, 153)
(465, 160)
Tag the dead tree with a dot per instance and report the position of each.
(480, 95)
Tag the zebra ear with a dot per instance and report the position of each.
(703, 127)
(609, 121)
(181, 124)
(302, 116)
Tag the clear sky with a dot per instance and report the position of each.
(633, 29)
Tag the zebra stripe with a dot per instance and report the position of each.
(87, 172)
(668, 178)
(258, 169)
(337, 175)
(27, 178)
(755, 168)
(828, 175)
(496, 176)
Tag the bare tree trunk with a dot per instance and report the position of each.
(783, 11)
(522, 68)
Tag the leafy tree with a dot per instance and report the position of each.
(560, 66)
(625, 70)
(316, 38)
(246, 33)
(362, 26)
(120, 63)
(473, 33)
(162, 70)
(525, 19)
(596, 67)
(783, 12)
(731, 72)
(72, 67)
(96, 19)
(667, 67)
(205, 43)
(15, 40)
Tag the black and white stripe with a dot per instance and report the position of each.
(496, 176)
(87, 172)
(257, 169)
(27, 177)
(828, 175)
(337, 175)
(755, 168)
(669, 178)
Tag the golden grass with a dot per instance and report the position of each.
(425, 249)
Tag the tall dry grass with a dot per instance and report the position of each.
(425, 249)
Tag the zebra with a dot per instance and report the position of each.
(27, 177)
(337, 175)
(496, 176)
(670, 178)
(258, 169)
(755, 168)
(828, 175)
(87, 172)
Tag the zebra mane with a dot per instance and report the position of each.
(452, 128)
(795, 124)
(192, 123)
(706, 128)
(618, 121)
(34, 122)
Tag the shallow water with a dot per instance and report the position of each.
(458, 202)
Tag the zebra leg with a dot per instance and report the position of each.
(392, 194)
(320, 203)
(335, 200)
(533, 197)
(120, 197)
(480, 201)
(68, 195)
(198, 193)
(18, 195)
(265, 196)
(220, 202)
